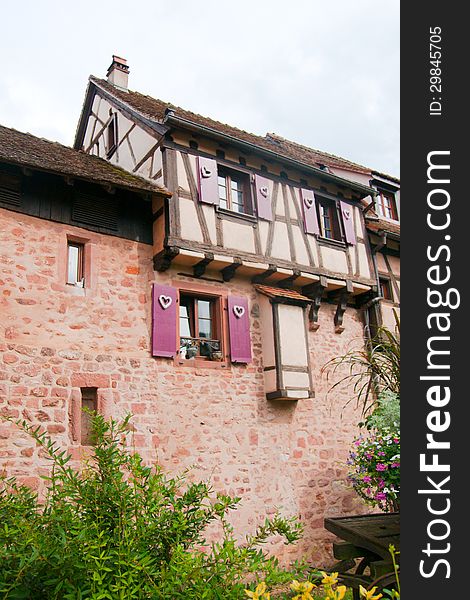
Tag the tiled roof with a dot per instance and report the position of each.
(28, 150)
(376, 225)
(156, 110)
(274, 292)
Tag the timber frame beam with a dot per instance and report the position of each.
(341, 297)
(315, 291)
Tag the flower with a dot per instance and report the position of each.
(380, 496)
(331, 579)
(304, 588)
(369, 594)
(367, 479)
(259, 593)
(381, 467)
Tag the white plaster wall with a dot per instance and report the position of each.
(189, 222)
(292, 335)
(238, 236)
(334, 260)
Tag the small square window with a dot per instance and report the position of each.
(386, 289)
(75, 264)
(234, 191)
(90, 403)
(386, 205)
(329, 219)
(200, 327)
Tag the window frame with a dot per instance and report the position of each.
(112, 125)
(87, 394)
(80, 266)
(245, 178)
(337, 226)
(215, 318)
(220, 314)
(386, 284)
(381, 207)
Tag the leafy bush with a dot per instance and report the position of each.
(375, 468)
(386, 413)
(119, 529)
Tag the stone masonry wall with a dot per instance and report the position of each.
(55, 339)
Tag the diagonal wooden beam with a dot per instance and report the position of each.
(288, 282)
(341, 297)
(163, 260)
(228, 272)
(261, 277)
(200, 268)
(315, 291)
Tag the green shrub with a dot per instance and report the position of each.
(119, 529)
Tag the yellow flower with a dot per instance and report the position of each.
(340, 592)
(304, 588)
(369, 594)
(259, 593)
(331, 579)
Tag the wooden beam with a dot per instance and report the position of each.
(341, 296)
(288, 282)
(315, 291)
(163, 260)
(263, 276)
(228, 272)
(200, 268)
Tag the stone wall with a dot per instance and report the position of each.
(55, 339)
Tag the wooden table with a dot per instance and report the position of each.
(368, 538)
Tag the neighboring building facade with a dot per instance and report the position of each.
(203, 291)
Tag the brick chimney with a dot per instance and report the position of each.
(118, 73)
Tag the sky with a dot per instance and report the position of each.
(322, 73)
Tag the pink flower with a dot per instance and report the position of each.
(381, 467)
(369, 455)
(395, 464)
(396, 440)
(380, 496)
(367, 479)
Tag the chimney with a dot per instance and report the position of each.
(118, 73)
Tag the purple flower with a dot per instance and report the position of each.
(381, 453)
(381, 467)
(367, 479)
(380, 496)
(395, 464)
(369, 455)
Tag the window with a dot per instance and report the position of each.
(329, 221)
(386, 205)
(75, 264)
(234, 191)
(111, 135)
(199, 327)
(385, 289)
(90, 404)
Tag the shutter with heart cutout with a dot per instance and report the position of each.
(239, 327)
(164, 303)
(309, 211)
(207, 180)
(348, 222)
(263, 188)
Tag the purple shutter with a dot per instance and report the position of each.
(207, 180)
(164, 301)
(348, 222)
(309, 211)
(263, 188)
(239, 326)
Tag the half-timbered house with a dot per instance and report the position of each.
(203, 293)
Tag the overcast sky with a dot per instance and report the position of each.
(322, 73)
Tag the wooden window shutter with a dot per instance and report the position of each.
(263, 188)
(239, 327)
(348, 222)
(309, 211)
(164, 314)
(207, 180)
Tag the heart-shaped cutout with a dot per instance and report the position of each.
(238, 311)
(308, 201)
(205, 172)
(347, 214)
(165, 301)
(264, 191)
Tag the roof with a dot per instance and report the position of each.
(378, 225)
(157, 110)
(274, 292)
(28, 150)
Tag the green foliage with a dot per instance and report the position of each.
(386, 414)
(119, 529)
(372, 369)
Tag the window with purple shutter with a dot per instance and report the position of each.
(164, 304)
(263, 194)
(207, 180)
(239, 327)
(348, 222)
(309, 211)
